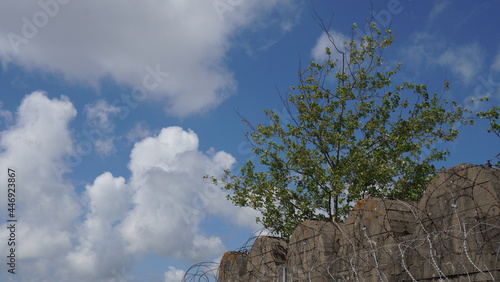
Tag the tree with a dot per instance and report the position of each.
(362, 137)
(492, 115)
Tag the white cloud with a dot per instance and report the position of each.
(161, 151)
(100, 248)
(128, 42)
(318, 52)
(167, 173)
(465, 61)
(96, 236)
(46, 208)
(173, 274)
(110, 198)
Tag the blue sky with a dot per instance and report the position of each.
(112, 111)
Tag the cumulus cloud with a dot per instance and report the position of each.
(100, 248)
(465, 61)
(171, 195)
(45, 208)
(172, 49)
(96, 236)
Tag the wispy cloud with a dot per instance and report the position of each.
(5, 115)
(438, 7)
(98, 116)
(496, 62)
(139, 131)
(465, 61)
(100, 112)
(425, 51)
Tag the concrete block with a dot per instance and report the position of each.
(265, 257)
(313, 250)
(459, 223)
(233, 267)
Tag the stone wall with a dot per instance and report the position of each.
(452, 233)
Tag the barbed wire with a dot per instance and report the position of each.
(452, 234)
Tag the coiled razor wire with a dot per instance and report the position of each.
(468, 248)
(209, 271)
